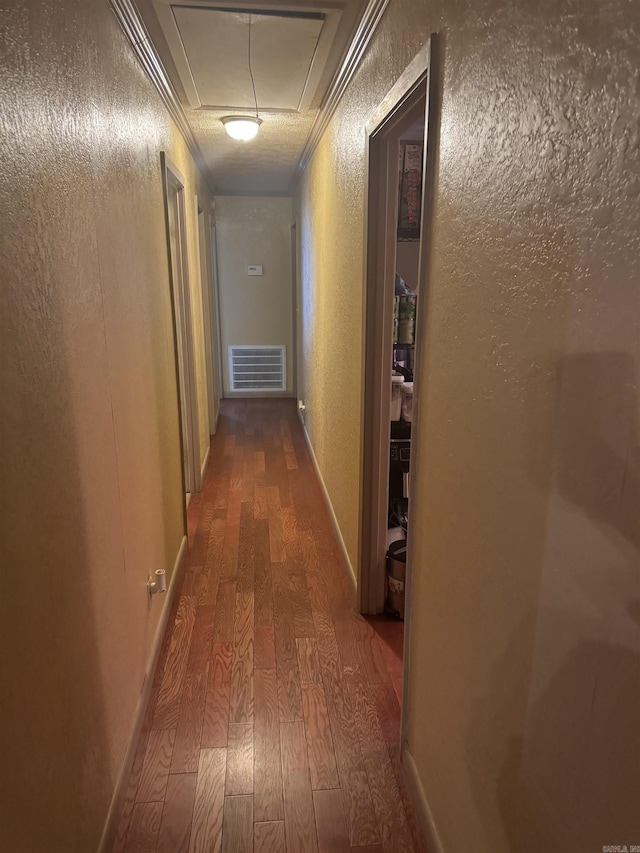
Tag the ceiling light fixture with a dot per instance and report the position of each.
(244, 128)
(241, 127)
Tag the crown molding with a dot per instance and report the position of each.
(135, 30)
(364, 33)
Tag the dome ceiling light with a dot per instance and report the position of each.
(241, 127)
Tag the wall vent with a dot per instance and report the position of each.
(257, 368)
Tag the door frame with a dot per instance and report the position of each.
(426, 73)
(216, 306)
(208, 312)
(294, 308)
(430, 164)
(405, 104)
(173, 185)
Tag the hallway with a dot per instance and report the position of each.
(273, 722)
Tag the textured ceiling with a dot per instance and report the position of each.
(294, 61)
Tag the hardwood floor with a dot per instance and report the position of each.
(274, 718)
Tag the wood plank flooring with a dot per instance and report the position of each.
(274, 720)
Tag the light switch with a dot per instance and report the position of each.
(254, 269)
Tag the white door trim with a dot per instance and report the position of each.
(420, 83)
(216, 303)
(380, 265)
(433, 112)
(174, 194)
(204, 267)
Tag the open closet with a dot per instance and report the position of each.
(394, 240)
(405, 286)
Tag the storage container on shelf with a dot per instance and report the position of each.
(407, 401)
(396, 396)
(406, 319)
(405, 330)
(396, 577)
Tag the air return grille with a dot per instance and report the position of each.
(257, 368)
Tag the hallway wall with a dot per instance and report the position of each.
(91, 475)
(254, 309)
(525, 659)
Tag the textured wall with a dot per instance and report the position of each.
(91, 476)
(524, 679)
(331, 213)
(255, 309)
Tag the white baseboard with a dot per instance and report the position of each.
(253, 395)
(113, 817)
(328, 504)
(420, 803)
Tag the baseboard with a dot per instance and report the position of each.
(420, 803)
(252, 395)
(328, 504)
(205, 462)
(113, 817)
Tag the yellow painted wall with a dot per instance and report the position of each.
(254, 309)
(91, 473)
(523, 707)
(330, 304)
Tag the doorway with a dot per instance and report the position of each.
(403, 133)
(174, 196)
(208, 316)
(215, 299)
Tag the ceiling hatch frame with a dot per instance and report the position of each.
(331, 18)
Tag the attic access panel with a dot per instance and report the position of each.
(209, 45)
